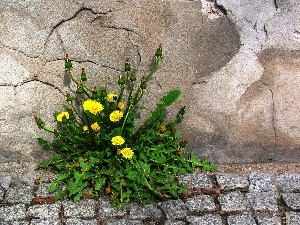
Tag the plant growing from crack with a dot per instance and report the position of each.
(99, 149)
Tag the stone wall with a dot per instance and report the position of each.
(237, 63)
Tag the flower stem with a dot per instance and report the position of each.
(128, 111)
(71, 76)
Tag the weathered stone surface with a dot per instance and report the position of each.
(288, 182)
(20, 193)
(233, 201)
(174, 209)
(260, 182)
(205, 220)
(263, 201)
(229, 182)
(12, 213)
(50, 211)
(200, 203)
(292, 200)
(83, 208)
(242, 218)
(235, 61)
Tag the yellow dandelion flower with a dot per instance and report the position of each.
(121, 105)
(163, 128)
(110, 97)
(115, 116)
(61, 115)
(95, 127)
(85, 128)
(127, 153)
(117, 140)
(92, 106)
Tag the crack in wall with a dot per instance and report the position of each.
(273, 112)
(68, 19)
(19, 51)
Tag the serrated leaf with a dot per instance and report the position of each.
(99, 183)
(62, 176)
(171, 97)
(43, 142)
(78, 196)
(53, 186)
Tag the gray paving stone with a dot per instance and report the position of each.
(228, 182)
(73, 221)
(47, 211)
(14, 212)
(42, 191)
(83, 208)
(174, 209)
(106, 210)
(45, 222)
(124, 222)
(292, 218)
(5, 181)
(200, 203)
(292, 200)
(194, 180)
(260, 182)
(1, 194)
(263, 201)
(269, 220)
(20, 193)
(15, 223)
(288, 182)
(207, 219)
(244, 218)
(147, 212)
(233, 201)
(174, 222)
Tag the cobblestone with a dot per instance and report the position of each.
(107, 211)
(269, 220)
(83, 208)
(45, 222)
(174, 222)
(228, 182)
(205, 220)
(73, 221)
(292, 218)
(174, 209)
(42, 191)
(14, 212)
(194, 180)
(288, 182)
(255, 199)
(233, 201)
(244, 218)
(48, 211)
(1, 194)
(147, 212)
(292, 200)
(20, 193)
(201, 203)
(263, 201)
(260, 182)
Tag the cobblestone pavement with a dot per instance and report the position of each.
(213, 199)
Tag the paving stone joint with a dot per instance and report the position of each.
(218, 199)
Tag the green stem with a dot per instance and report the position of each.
(48, 129)
(121, 94)
(128, 111)
(86, 87)
(71, 76)
(138, 95)
(74, 109)
(153, 70)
